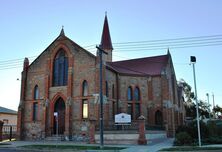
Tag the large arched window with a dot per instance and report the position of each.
(136, 94)
(84, 88)
(36, 92)
(60, 69)
(129, 94)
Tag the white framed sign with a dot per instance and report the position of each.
(55, 114)
(122, 118)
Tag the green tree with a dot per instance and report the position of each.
(189, 95)
(190, 106)
(217, 109)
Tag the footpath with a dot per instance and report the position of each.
(152, 146)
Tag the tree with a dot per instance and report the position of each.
(217, 109)
(203, 108)
(189, 95)
(190, 106)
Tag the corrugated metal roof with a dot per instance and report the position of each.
(6, 110)
(142, 66)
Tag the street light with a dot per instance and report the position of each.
(193, 61)
(207, 94)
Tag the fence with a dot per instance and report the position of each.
(9, 132)
(111, 126)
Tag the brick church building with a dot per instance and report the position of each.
(63, 82)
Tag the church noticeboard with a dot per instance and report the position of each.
(122, 118)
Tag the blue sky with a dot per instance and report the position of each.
(28, 27)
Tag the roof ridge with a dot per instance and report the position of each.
(140, 58)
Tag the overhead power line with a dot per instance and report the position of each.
(161, 44)
(174, 39)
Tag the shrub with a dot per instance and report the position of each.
(183, 138)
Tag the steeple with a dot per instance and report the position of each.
(106, 43)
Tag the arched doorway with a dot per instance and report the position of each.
(158, 118)
(59, 111)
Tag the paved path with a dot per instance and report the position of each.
(152, 146)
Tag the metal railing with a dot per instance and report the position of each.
(9, 131)
(134, 125)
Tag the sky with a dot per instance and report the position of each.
(28, 27)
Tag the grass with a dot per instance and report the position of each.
(191, 148)
(2, 143)
(73, 147)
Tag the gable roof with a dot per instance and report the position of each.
(63, 36)
(141, 66)
(6, 110)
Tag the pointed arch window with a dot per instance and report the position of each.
(85, 107)
(36, 92)
(84, 88)
(129, 94)
(107, 89)
(60, 69)
(113, 91)
(136, 94)
(35, 111)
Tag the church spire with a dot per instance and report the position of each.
(106, 43)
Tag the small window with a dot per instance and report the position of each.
(129, 94)
(130, 109)
(84, 109)
(107, 89)
(137, 94)
(35, 111)
(84, 88)
(137, 110)
(113, 91)
(36, 92)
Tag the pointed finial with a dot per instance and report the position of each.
(62, 31)
(168, 50)
(106, 13)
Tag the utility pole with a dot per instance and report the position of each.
(101, 94)
(193, 61)
(207, 94)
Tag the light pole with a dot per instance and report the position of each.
(214, 115)
(193, 61)
(207, 94)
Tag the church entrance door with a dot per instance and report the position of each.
(59, 114)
